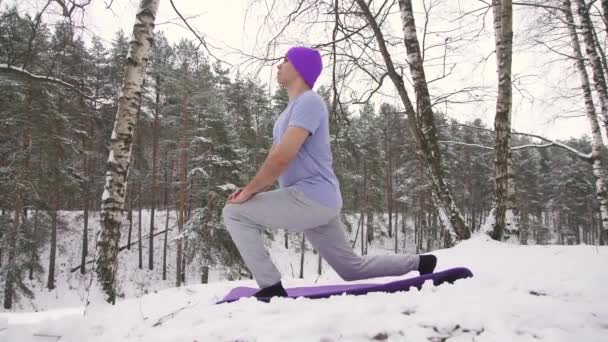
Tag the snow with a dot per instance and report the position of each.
(44, 78)
(518, 293)
(200, 170)
(228, 187)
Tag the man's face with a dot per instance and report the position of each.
(286, 74)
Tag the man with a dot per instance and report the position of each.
(309, 198)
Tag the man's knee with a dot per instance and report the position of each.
(229, 211)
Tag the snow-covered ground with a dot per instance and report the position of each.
(518, 293)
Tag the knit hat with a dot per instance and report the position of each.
(307, 62)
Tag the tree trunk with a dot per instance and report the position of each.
(387, 179)
(85, 229)
(503, 33)
(397, 232)
(320, 265)
(55, 204)
(155, 138)
(363, 233)
(9, 282)
(363, 211)
(165, 205)
(599, 79)
(184, 263)
(605, 14)
(421, 120)
(597, 145)
(359, 224)
(183, 181)
(370, 227)
(303, 251)
(205, 275)
(390, 195)
(449, 214)
(4, 230)
(120, 153)
(129, 217)
(33, 257)
(139, 246)
(404, 225)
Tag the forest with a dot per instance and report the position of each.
(198, 129)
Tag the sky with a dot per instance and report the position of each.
(539, 105)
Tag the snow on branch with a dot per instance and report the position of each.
(584, 156)
(9, 68)
(449, 142)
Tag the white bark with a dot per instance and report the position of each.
(599, 79)
(449, 215)
(597, 145)
(504, 180)
(115, 187)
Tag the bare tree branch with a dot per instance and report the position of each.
(539, 5)
(204, 43)
(559, 53)
(68, 7)
(450, 142)
(584, 156)
(11, 69)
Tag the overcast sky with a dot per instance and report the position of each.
(536, 99)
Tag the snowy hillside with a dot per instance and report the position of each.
(519, 293)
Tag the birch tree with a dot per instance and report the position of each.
(599, 78)
(503, 164)
(598, 148)
(115, 187)
(420, 118)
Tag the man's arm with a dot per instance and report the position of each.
(278, 159)
(272, 149)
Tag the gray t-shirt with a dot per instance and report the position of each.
(311, 170)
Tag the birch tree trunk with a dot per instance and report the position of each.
(115, 188)
(594, 59)
(597, 145)
(504, 180)
(605, 14)
(449, 215)
(421, 121)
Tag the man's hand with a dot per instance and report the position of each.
(234, 194)
(241, 195)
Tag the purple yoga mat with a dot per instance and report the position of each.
(325, 291)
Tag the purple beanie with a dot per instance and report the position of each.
(307, 62)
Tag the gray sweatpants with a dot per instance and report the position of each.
(288, 208)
